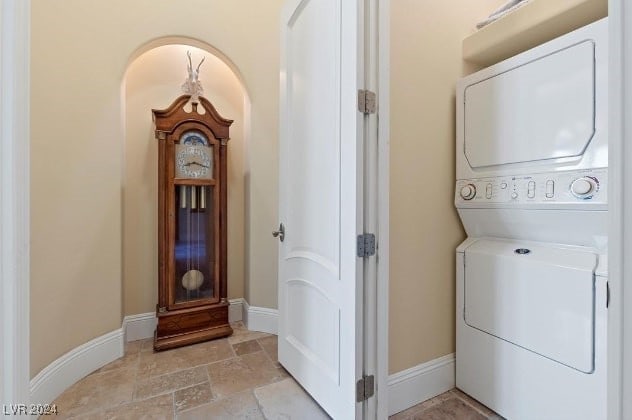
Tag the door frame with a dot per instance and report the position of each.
(377, 204)
(620, 196)
(383, 206)
(15, 29)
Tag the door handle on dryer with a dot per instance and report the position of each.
(279, 233)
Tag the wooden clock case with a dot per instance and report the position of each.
(192, 321)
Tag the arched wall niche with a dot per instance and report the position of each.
(152, 80)
(190, 43)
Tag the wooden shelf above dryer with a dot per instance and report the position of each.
(534, 23)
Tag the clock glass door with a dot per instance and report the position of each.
(195, 255)
(195, 268)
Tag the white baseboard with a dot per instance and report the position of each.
(236, 309)
(74, 365)
(420, 383)
(261, 319)
(140, 326)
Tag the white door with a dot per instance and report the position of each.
(321, 164)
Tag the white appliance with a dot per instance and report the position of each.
(531, 191)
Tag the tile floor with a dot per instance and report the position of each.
(451, 405)
(237, 377)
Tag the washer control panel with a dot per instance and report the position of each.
(570, 187)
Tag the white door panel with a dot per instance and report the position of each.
(305, 299)
(320, 288)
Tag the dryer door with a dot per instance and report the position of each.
(538, 297)
(541, 110)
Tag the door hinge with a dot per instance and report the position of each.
(367, 101)
(365, 388)
(366, 245)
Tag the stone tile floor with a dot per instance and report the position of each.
(237, 377)
(451, 405)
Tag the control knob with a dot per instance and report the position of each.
(468, 191)
(584, 187)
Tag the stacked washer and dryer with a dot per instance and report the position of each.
(531, 191)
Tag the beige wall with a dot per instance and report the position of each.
(426, 62)
(153, 81)
(79, 53)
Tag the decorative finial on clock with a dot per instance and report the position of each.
(192, 85)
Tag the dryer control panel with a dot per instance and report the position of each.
(573, 189)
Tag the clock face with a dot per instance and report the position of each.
(194, 156)
(193, 162)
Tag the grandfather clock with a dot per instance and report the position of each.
(192, 304)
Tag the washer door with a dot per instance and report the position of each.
(544, 109)
(538, 297)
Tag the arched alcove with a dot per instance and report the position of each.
(152, 80)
